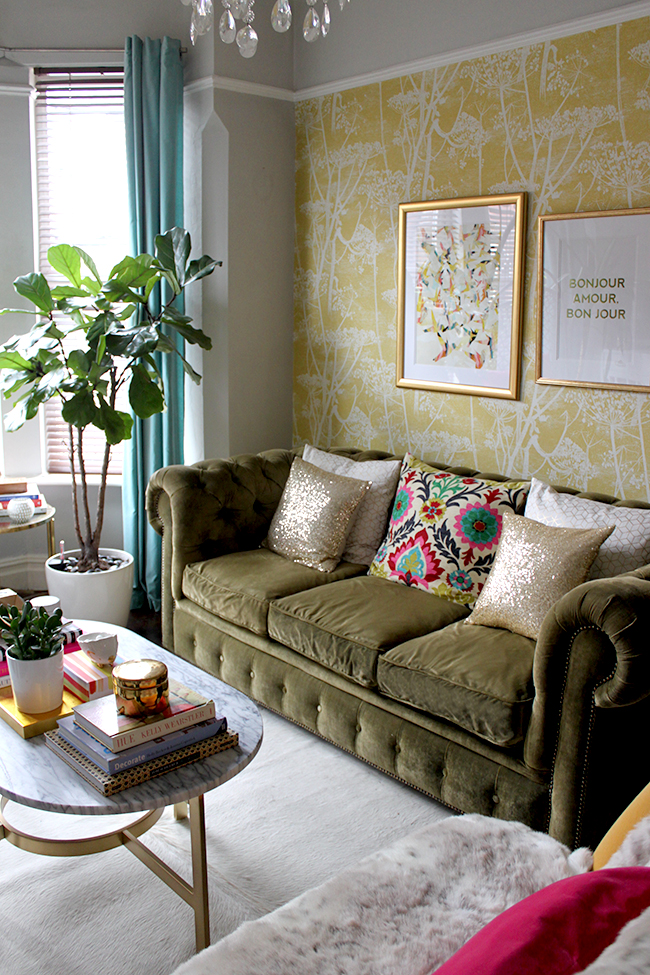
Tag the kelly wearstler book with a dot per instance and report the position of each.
(118, 731)
(108, 785)
(112, 762)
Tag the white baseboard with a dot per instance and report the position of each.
(23, 572)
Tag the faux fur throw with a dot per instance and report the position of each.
(629, 954)
(402, 911)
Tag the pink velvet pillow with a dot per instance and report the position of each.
(558, 930)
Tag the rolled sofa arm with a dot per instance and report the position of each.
(592, 660)
(209, 509)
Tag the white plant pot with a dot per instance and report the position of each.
(37, 685)
(101, 596)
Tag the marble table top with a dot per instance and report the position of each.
(33, 775)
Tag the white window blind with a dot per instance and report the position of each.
(81, 185)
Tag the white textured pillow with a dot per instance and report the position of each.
(626, 549)
(370, 520)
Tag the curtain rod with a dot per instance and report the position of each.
(32, 57)
(68, 50)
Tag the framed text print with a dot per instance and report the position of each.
(460, 295)
(593, 303)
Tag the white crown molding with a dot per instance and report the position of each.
(241, 87)
(631, 11)
(15, 89)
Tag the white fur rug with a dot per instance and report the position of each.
(300, 813)
(402, 911)
(406, 909)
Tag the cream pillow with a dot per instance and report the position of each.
(369, 525)
(535, 565)
(627, 548)
(311, 522)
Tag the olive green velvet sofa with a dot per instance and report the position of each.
(552, 733)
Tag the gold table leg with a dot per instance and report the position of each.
(199, 874)
(51, 544)
(195, 896)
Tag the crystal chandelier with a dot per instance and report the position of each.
(314, 24)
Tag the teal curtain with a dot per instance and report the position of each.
(153, 113)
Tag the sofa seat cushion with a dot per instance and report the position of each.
(239, 587)
(348, 626)
(479, 677)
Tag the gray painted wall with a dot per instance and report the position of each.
(240, 187)
(370, 35)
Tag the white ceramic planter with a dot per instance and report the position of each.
(37, 685)
(102, 596)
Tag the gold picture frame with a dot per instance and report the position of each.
(460, 295)
(593, 295)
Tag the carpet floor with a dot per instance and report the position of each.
(301, 812)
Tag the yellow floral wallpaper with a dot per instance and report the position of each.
(568, 121)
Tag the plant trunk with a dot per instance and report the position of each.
(88, 541)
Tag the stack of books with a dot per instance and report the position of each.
(19, 489)
(86, 680)
(114, 752)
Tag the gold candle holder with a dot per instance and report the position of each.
(141, 688)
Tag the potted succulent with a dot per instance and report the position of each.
(116, 331)
(34, 649)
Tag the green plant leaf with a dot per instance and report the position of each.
(13, 360)
(50, 383)
(165, 344)
(137, 272)
(67, 261)
(132, 342)
(195, 336)
(25, 409)
(127, 312)
(173, 251)
(17, 311)
(172, 280)
(189, 371)
(90, 264)
(11, 382)
(35, 288)
(30, 634)
(132, 266)
(145, 396)
(116, 291)
(200, 269)
(68, 291)
(117, 426)
(80, 409)
(79, 361)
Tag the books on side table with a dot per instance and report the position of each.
(21, 490)
(114, 752)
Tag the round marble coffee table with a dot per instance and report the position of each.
(32, 775)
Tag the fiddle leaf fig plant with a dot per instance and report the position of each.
(30, 633)
(116, 328)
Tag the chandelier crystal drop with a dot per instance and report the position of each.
(311, 26)
(281, 16)
(315, 22)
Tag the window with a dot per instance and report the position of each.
(81, 188)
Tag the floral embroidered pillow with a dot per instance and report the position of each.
(444, 530)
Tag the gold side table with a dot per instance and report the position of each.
(45, 517)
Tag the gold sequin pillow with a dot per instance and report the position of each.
(535, 565)
(315, 513)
